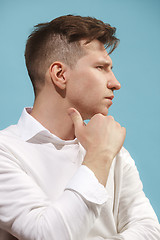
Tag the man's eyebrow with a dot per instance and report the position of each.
(105, 63)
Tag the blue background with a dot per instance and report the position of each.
(136, 65)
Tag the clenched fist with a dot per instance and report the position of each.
(102, 139)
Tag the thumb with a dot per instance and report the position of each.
(76, 118)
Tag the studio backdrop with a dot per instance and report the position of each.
(136, 64)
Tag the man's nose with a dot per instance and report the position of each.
(113, 83)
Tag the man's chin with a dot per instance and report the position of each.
(89, 116)
(104, 112)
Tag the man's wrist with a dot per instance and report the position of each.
(100, 164)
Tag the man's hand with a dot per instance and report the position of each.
(102, 139)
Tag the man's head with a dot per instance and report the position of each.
(59, 40)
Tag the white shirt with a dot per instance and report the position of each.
(46, 194)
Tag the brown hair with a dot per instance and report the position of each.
(58, 40)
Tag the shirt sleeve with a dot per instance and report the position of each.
(136, 217)
(28, 214)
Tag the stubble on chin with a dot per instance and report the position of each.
(103, 112)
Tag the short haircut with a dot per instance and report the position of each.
(59, 40)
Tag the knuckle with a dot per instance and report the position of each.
(124, 131)
(118, 124)
(110, 117)
(98, 115)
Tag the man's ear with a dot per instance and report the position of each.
(57, 73)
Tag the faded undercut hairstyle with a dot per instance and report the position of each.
(59, 40)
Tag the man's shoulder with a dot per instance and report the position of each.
(10, 133)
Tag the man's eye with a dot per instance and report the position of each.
(100, 67)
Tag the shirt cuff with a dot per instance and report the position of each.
(86, 184)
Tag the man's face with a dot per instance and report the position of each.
(91, 82)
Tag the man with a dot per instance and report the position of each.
(61, 179)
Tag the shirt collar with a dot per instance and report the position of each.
(31, 130)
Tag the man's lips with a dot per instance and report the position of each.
(111, 97)
(109, 100)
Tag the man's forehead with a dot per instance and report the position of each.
(93, 45)
(97, 49)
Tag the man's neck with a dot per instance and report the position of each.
(54, 118)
